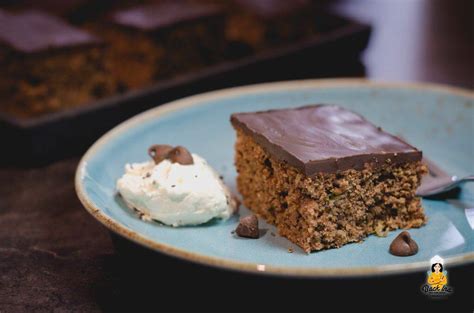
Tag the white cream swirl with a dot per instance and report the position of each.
(176, 194)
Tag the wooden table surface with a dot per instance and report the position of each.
(54, 256)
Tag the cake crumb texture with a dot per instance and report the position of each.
(328, 210)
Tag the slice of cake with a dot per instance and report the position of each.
(48, 64)
(161, 39)
(270, 22)
(325, 176)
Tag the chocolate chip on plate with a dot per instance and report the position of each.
(248, 227)
(180, 155)
(159, 152)
(403, 245)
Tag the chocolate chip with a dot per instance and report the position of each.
(403, 245)
(180, 155)
(177, 154)
(159, 152)
(248, 227)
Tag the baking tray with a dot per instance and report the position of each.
(38, 141)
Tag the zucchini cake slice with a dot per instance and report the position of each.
(325, 176)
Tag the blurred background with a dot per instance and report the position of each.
(73, 69)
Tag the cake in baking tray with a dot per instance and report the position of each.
(259, 24)
(157, 40)
(48, 64)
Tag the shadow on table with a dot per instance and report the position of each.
(143, 280)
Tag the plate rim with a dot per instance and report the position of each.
(249, 267)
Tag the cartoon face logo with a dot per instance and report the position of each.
(437, 279)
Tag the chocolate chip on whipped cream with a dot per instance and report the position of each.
(174, 193)
(180, 155)
(159, 152)
(177, 154)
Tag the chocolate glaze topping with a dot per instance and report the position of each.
(35, 31)
(323, 139)
(163, 14)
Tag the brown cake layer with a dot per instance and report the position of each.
(158, 40)
(48, 64)
(260, 24)
(326, 208)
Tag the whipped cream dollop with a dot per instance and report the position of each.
(176, 194)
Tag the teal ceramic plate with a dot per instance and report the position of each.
(437, 119)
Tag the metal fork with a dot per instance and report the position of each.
(438, 181)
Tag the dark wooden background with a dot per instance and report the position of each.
(54, 256)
